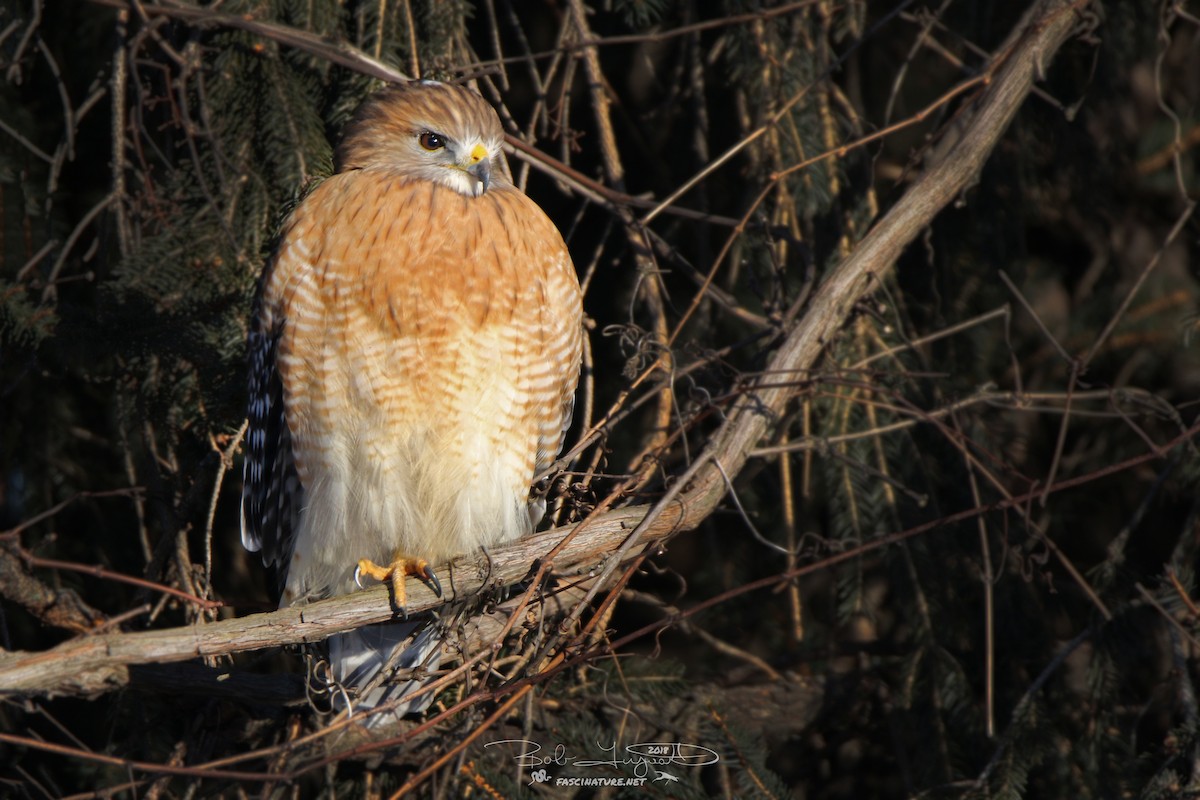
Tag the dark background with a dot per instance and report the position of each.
(147, 154)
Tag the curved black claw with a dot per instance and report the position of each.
(432, 580)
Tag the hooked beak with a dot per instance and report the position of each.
(483, 173)
(480, 168)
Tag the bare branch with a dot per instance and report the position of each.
(338, 52)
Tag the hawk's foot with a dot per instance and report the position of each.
(395, 573)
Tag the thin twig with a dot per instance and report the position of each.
(108, 575)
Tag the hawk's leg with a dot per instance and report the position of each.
(396, 572)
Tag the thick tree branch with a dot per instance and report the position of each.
(91, 664)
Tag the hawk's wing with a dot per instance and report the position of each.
(271, 492)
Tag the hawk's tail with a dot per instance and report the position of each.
(358, 658)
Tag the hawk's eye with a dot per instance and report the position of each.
(431, 141)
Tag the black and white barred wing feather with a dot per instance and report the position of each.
(271, 492)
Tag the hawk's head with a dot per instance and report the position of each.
(427, 130)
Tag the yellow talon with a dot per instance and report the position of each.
(396, 572)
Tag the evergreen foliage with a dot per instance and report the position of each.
(1042, 647)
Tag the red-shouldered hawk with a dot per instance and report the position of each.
(413, 360)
